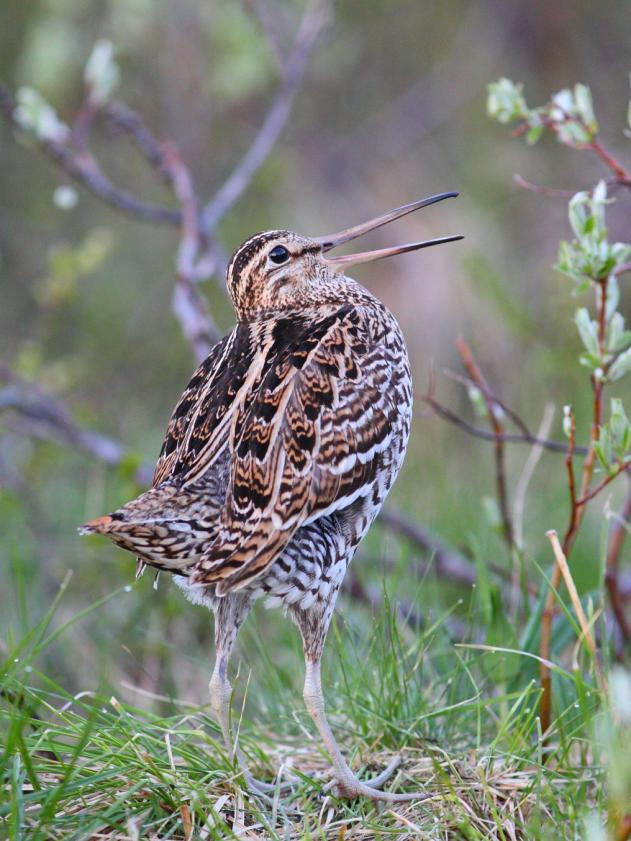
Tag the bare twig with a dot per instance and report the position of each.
(621, 467)
(198, 254)
(83, 168)
(448, 563)
(44, 416)
(268, 23)
(188, 305)
(127, 121)
(621, 176)
(496, 424)
(571, 479)
(578, 502)
(616, 540)
(83, 124)
(612, 184)
(275, 120)
(623, 268)
(482, 386)
(485, 435)
(47, 418)
(545, 643)
(538, 188)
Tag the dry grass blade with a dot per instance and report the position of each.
(576, 602)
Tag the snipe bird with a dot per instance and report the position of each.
(279, 455)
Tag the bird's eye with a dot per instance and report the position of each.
(279, 254)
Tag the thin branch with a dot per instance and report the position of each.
(83, 168)
(620, 174)
(538, 188)
(268, 23)
(621, 269)
(492, 397)
(479, 381)
(448, 563)
(83, 124)
(238, 181)
(616, 540)
(612, 183)
(571, 482)
(485, 435)
(578, 501)
(597, 389)
(621, 467)
(48, 418)
(44, 416)
(188, 305)
(547, 615)
(623, 176)
(123, 119)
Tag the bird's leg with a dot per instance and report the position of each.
(230, 613)
(313, 624)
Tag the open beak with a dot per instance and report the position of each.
(333, 240)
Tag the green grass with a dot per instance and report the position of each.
(121, 761)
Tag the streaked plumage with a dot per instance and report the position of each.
(282, 448)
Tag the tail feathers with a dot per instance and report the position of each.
(156, 506)
(99, 526)
(156, 529)
(117, 523)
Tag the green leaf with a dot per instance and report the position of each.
(588, 360)
(620, 367)
(101, 73)
(505, 102)
(477, 401)
(34, 114)
(602, 448)
(619, 427)
(578, 214)
(533, 134)
(588, 331)
(585, 107)
(615, 332)
(612, 298)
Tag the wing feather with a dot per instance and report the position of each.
(305, 439)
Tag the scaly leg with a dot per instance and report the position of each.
(313, 624)
(230, 613)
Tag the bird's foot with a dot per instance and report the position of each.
(347, 786)
(259, 787)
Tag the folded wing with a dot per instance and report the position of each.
(305, 440)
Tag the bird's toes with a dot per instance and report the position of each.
(347, 788)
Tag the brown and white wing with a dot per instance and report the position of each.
(200, 424)
(305, 440)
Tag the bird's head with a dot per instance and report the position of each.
(279, 271)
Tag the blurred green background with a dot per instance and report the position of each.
(392, 108)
